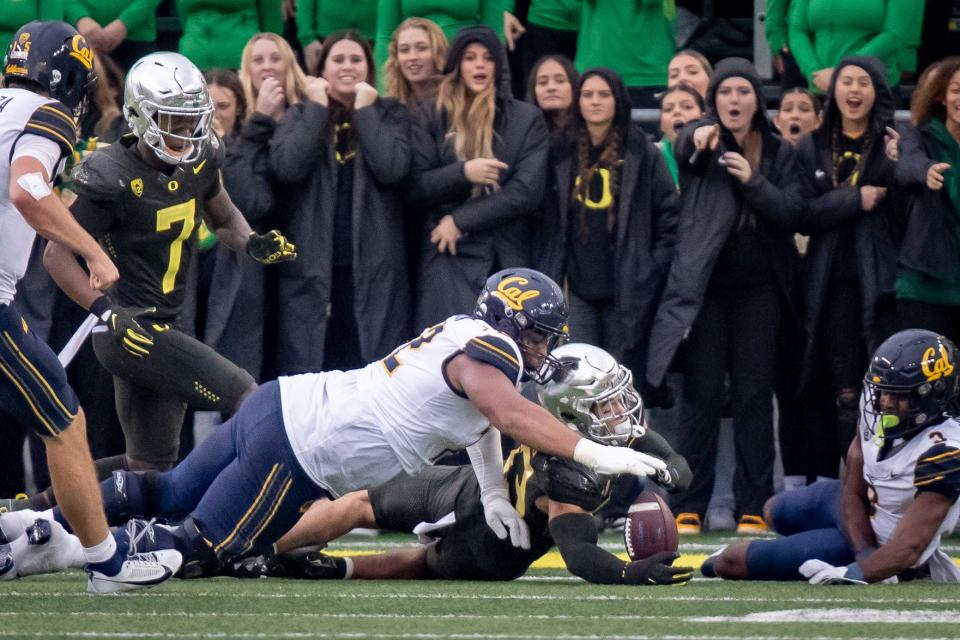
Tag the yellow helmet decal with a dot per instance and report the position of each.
(514, 296)
(935, 368)
(81, 51)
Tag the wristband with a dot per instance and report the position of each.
(101, 308)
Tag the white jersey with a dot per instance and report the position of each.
(21, 113)
(893, 484)
(357, 429)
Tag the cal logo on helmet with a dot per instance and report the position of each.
(81, 51)
(935, 368)
(514, 295)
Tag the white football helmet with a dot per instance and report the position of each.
(167, 105)
(593, 394)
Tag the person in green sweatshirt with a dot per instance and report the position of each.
(450, 15)
(215, 31)
(317, 19)
(821, 32)
(632, 37)
(126, 30)
(928, 169)
(16, 13)
(552, 27)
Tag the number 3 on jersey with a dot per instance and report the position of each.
(184, 212)
(392, 362)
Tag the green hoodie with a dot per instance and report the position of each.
(634, 38)
(560, 15)
(16, 13)
(215, 31)
(138, 16)
(319, 18)
(450, 15)
(822, 32)
(914, 285)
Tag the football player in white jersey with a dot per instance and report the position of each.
(899, 494)
(46, 78)
(326, 434)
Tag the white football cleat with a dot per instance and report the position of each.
(138, 571)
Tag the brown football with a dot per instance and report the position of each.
(650, 527)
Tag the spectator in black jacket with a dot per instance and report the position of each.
(343, 153)
(729, 283)
(851, 257)
(415, 56)
(550, 86)
(479, 169)
(928, 273)
(615, 222)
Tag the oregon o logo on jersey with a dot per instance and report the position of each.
(173, 185)
(606, 195)
(515, 296)
(136, 185)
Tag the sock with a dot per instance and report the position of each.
(348, 568)
(101, 552)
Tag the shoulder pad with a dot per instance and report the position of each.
(572, 483)
(498, 351)
(100, 176)
(938, 469)
(54, 122)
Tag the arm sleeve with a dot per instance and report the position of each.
(911, 169)
(576, 538)
(307, 21)
(778, 200)
(776, 25)
(800, 40)
(654, 444)
(433, 182)
(137, 13)
(491, 13)
(74, 10)
(383, 133)
(498, 352)
(938, 470)
(54, 122)
(486, 458)
(42, 149)
(520, 194)
(897, 30)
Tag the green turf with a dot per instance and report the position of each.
(545, 604)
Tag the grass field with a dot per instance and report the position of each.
(546, 603)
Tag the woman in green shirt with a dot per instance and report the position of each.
(679, 105)
(124, 29)
(16, 13)
(215, 31)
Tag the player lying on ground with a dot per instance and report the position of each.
(899, 494)
(590, 393)
(326, 434)
(46, 78)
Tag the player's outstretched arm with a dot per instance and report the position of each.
(30, 193)
(575, 533)
(227, 221)
(530, 424)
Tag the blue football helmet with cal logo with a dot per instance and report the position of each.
(911, 383)
(53, 56)
(516, 300)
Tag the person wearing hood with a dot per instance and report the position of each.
(479, 167)
(850, 263)
(729, 288)
(613, 226)
(343, 153)
(928, 272)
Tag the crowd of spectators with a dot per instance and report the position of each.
(737, 260)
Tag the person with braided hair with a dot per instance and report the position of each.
(609, 226)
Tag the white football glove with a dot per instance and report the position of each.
(616, 460)
(820, 572)
(502, 517)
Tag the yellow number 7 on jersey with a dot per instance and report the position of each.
(184, 212)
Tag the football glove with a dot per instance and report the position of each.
(613, 461)
(656, 570)
(820, 572)
(270, 247)
(502, 518)
(122, 322)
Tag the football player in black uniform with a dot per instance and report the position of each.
(555, 496)
(144, 199)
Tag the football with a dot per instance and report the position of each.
(650, 527)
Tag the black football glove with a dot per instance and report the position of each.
(122, 322)
(656, 570)
(271, 247)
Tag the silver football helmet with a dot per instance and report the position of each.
(167, 105)
(592, 393)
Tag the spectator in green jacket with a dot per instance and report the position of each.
(821, 32)
(16, 13)
(552, 27)
(450, 15)
(126, 30)
(317, 19)
(632, 37)
(215, 31)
